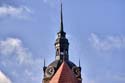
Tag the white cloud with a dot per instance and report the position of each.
(20, 12)
(19, 61)
(107, 43)
(13, 46)
(4, 78)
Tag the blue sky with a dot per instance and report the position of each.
(95, 29)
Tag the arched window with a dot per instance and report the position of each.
(57, 52)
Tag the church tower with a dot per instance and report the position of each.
(62, 70)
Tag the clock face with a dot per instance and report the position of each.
(76, 71)
(50, 71)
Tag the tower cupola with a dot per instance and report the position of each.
(61, 44)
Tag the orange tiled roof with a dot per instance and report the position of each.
(64, 75)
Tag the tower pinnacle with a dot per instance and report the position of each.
(61, 19)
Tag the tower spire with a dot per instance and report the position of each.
(61, 18)
(61, 44)
(62, 67)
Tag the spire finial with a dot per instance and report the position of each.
(79, 63)
(44, 62)
(61, 19)
(44, 68)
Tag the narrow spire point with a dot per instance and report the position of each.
(44, 62)
(61, 18)
(79, 63)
